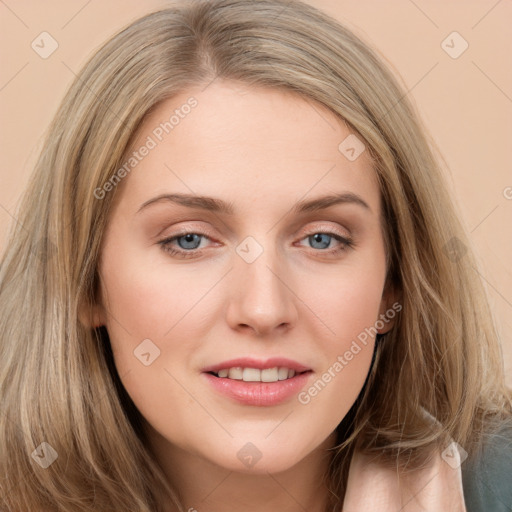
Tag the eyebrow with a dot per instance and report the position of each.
(219, 206)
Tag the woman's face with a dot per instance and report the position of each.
(263, 276)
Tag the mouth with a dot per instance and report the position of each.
(257, 383)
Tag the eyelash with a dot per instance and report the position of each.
(346, 243)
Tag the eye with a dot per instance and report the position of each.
(188, 243)
(322, 239)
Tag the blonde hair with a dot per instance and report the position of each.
(57, 380)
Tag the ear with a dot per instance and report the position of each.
(91, 316)
(390, 306)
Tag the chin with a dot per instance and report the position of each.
(257, 458)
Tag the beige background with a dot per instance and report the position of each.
(465, 102)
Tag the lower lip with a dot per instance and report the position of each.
(261, 394)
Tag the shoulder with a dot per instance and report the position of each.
(487, 474)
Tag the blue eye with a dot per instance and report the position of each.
(189, 246)
(321, 240)
(191, 240)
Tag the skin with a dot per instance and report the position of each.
(262, 150)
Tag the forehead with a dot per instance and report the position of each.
(248, 142)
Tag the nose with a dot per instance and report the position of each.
(262, 299)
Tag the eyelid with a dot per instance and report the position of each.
(327, 227)
(190, 228)
(186, 228)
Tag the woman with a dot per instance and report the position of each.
(237, 280)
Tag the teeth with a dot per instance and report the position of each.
(282, 373)
(235, 373)
(270, 375)
(251, 375)
(255, 375)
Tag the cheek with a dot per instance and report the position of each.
(351, 309)
(348, 304)
(144, 309)
(157, 302)
(346, 300)
(146, 299)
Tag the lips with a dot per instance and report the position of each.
(252, 391)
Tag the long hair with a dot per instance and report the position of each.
(60, 392)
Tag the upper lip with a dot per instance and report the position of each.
(248, 362)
